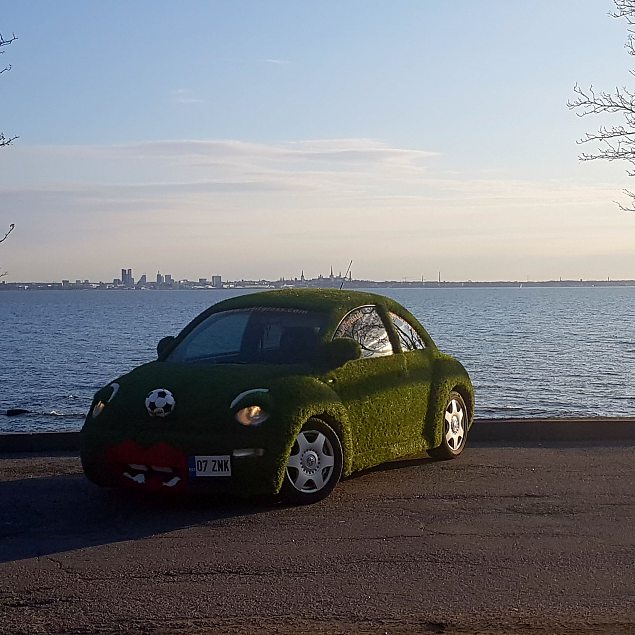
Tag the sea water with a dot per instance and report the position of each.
(531, 352)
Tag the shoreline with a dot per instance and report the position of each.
(324, 283)
(534, 430)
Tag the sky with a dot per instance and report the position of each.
(254, 139)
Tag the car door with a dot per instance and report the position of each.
(374, 389)
(418, 362)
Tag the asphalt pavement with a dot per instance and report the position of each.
(520, 538)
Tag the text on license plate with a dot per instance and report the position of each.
(210, 465)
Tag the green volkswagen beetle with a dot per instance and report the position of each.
(281, 392)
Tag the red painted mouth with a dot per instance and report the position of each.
(158, 468)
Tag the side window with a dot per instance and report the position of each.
(271, 336)
(219, 335)
(409, 339)
(364, 325)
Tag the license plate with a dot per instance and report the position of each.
(210, 465)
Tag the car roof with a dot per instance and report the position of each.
(335, 303)
(326, 300)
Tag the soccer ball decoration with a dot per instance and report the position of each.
(160, 402)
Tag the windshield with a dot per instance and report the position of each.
(252, 336)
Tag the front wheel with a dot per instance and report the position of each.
(314, 466)
(455, 422)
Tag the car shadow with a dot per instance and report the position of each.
(422, 460)
(47, 515)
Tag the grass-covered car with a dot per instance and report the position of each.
(281, 392)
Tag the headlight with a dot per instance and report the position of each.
(251, 416)
(98, 408)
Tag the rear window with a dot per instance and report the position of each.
(409, 339)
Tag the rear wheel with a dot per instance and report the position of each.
(454, 426)
(314, 466)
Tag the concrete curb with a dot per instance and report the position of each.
(576, 430)
(39, 442)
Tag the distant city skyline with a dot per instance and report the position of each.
(410, 137)
(164, 281)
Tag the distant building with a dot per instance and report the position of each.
(126, 278)
(217, 282)
(202, 280)
(169, 279)
(159, 278)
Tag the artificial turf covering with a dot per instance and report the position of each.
(382, 408)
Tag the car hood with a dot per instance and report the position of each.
(201, 392)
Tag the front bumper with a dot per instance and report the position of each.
(168, 466)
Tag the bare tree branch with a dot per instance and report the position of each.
(11, 228)
(616, 142)
(5, 141)
(4, 42)
(624, 9)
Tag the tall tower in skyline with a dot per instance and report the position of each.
(126, 278)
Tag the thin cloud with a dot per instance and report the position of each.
(352, 151)
(365, 170)
(277, 62)
(184, 96)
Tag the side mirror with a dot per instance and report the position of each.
(341, 350)
(164, 344)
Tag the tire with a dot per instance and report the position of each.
(96, 474)
(314, 466)
(454, 425)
